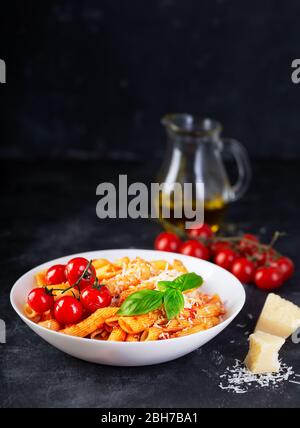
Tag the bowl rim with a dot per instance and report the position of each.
(26, 320)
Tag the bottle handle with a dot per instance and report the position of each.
(239, 153)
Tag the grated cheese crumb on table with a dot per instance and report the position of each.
(238, 379)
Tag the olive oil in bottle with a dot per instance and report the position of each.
(214, 211)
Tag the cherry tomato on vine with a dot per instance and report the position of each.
(247, 247)
(268, 278)
(225, 258)
(195, 249)
(243, 269)
(68, 310)
(56, 274)
(285, 265)
(94, 298)
(203, 232)
(218, 246)
(75, 269)
(40, 300)
(264, 256)
(167, 241)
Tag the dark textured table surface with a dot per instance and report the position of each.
(48, 210)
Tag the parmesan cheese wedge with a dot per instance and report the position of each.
(263, 353)
(279, 317)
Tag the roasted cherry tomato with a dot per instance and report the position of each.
(285, 265)
(68, 310)
(268, 278)
(95, 297)
(243, 269)
(195, 249)
(225, 258)
(40, 300)
(248, 244)
(167, 241)
(203, 232)
(56, 274)
(75, 269)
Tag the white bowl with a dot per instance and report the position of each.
(216, 280)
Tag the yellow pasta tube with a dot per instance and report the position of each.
(90, 324)
(210, 310)
(107, 272)
(117, 335)
(176, 325)
(99, 263)
(133, 338)
(50, 324)
(31, 314)
(98, 334)
(160, 264)
(137, 324)
(209, 322)
(179, 266)
(40, 278)
(122, 261)
(112, 321)
(151, 333)
(191, 330)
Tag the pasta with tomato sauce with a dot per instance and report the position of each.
(174, 309)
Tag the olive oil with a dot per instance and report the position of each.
(214, 212)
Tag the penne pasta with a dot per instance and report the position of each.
(137, 324)
(210, 310)
(40, 278)
(175, 325)
(31, 314)
(98, 334)
(133, 338)
(51, 324)
(107, 272)
(179, 266)
(191, 330)
(112, 321)
(91, 323)
(117, 335)
(99, 263)
(151, 333)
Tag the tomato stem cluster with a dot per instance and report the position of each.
(76, 284)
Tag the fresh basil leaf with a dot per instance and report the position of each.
(173, 302)
(141, 302)
(188, 281)
(164, 285)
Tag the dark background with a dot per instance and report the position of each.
(87, 83)
(93, 78)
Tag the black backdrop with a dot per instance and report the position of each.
(93, 78)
